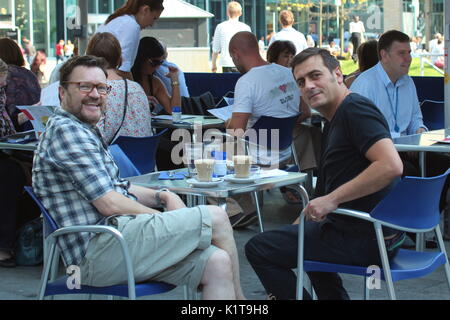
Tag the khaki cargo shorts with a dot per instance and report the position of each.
(172, 247)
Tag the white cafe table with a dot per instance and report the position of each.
(422, 143)
(223, 190)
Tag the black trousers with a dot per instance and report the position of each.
(273, 255)
(11, 186)
(356, 41)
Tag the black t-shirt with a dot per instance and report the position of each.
(356, 126)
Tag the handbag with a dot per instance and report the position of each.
(125, 106)
(29, 250)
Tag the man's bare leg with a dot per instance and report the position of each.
(222, 237)
(217, 280)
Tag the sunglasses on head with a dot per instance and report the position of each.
(155, 62)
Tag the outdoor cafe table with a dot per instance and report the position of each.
(188, 122)
(224, 189)
(30, 146)
(422, 143)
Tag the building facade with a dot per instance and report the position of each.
(44, 22)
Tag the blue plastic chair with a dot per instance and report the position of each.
(141, 150)
(411, 206)
(433, 114)
(267, 127)
(126, 167)
(59, 286)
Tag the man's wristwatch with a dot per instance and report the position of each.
(175, 83)
(158, 197)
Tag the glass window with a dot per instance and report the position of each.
(4, 8)
(118, 4)
(23, 17)
(40, 24)
(104, 6)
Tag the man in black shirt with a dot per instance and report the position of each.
(358, 165)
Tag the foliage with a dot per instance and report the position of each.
(348, 66)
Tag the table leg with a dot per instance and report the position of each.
(420, 237)
(258, 211)
(422, 164)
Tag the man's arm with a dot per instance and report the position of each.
(214, 62)
(113, 203)
(385, 166)
(238, 120)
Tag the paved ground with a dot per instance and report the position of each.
(22, 282)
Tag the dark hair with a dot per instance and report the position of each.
(10, 52)
(107, 46)
(85, 61)
(131, 7)
(387, 38)
(278, 47)
(328, 60)
(367, 55)
(149, 48)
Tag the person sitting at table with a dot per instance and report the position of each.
(393, 91)
(163, 71)
(281, 52)
(149, 58)
(76, 178)
(130, 118)
(367, 58)
(264, 90)
(23, 86)
(359, 164)
(15, 174)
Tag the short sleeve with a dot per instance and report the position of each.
(217, 39)
(365, 124)
(243, 101)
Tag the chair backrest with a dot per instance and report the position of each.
(412, 203)
(126, 167)
(285, 127)
(433, 114)
(198, 105)
(50, 224)
(141, 150)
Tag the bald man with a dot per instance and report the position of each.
(264, 90)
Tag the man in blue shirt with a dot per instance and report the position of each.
(390, 88)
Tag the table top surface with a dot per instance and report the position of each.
(427, 141)
(222, 190)
(189, 121)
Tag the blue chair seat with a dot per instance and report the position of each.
(59, 286)
(406, 264)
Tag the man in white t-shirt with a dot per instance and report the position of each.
(263, 90)
(222, 35)
(357, 34)
(289, 33)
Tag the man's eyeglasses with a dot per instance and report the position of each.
(155, 63)
(87, 87)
